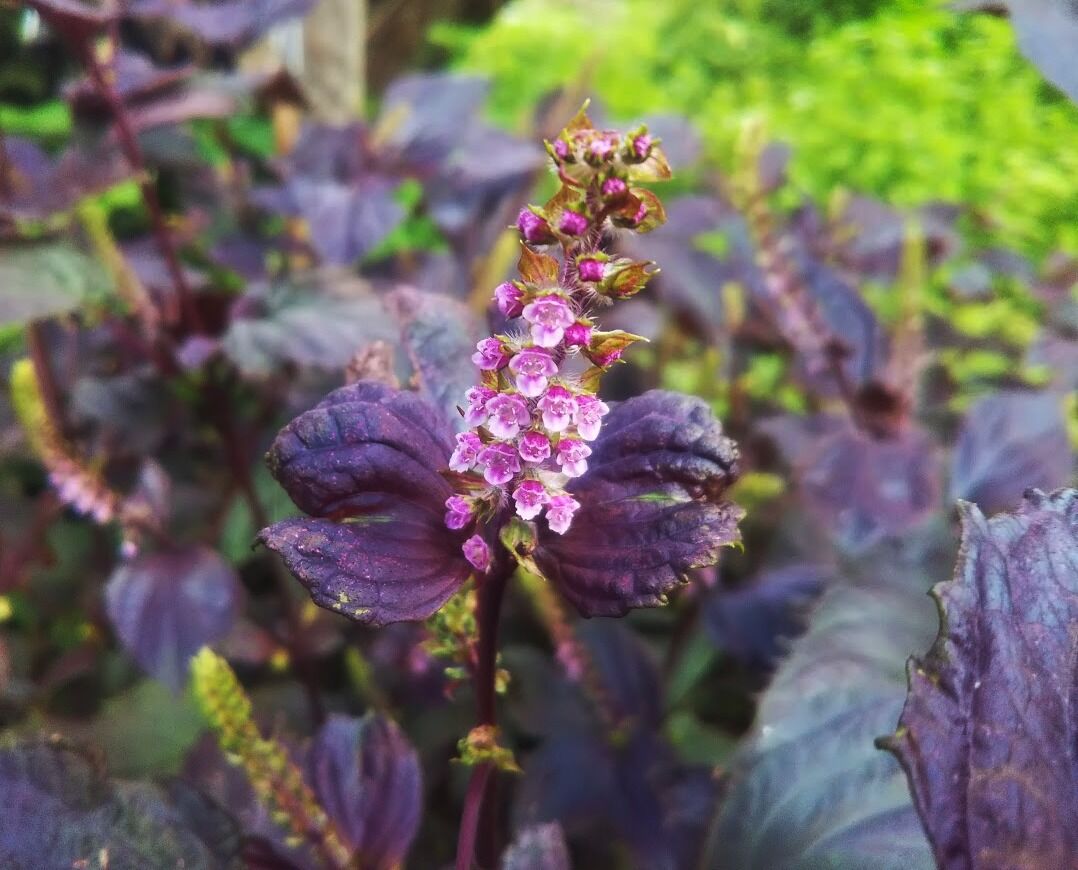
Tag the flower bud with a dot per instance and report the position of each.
(459, 512)
(509, 298)
(573, 224)
(534, 228)
(614, 187)
(590, 269)
(578, 335)
(490, 355)
(477, 551)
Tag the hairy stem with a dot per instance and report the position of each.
(491, 593)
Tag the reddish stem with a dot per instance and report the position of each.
(491, 593)
(129, 144)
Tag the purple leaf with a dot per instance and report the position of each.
(424, 115)
(317, 321)
(752, 623)
(538, 847)
(75, 21)
(1010, 441)
(166, 605)
(232, 24)
(368, 779)
(136, 79)
(652, 506)
(57, 809)
(439, 335)
(371, 456)
(987, 736)
(808, 789)
(863, 489)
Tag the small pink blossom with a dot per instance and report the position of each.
(476, 412)
(590, 269)
(601, 147)
(642, 146)
(549, 317)
(606, 359)
(532, 368)
(614, 186)
(506, 415)
(465, 454)
(534, 447)
(641, 213)
(573, 224)
(477, 552)
(490, 355)
(509, 296)
(561, 149)
(499, 462)
(558, 407)
(588, 416)
(578, 335)
(459, 511)
(559, 512)
(533, 228)
(573, 456)
(530, 496)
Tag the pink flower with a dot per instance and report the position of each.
(507, 415)
(614, 187)
(466, 451)
(588, 415)
(561, 148)
(573, 224)
(532, 369)
(530, 496)
(499, 462)
(606, 359)
(572, 456)
(558, 407)
(578, 335)
(559, 512)
(549, 317)
(459, 511)
(477, 552)
(490, 355)
(642, 146)
(533, 228)
(534, 447)
(590, 269)
(508, 296)
(601, 147)
(476, 412)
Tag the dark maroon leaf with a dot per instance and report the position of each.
(136, 79)
(987, 736)
(808, 789)
(753, 623)
(57, 809)
(75, 21)
(368, 779)
(860, 488)
(1011, 441)
(369, 456)
(231, 24)
(167, 605)
(439, 335)
(539, 847)
(652, 506)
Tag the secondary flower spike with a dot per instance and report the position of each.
(535, 410)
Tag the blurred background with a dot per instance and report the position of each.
(212, 213)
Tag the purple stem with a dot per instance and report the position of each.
(133, 153)
(491, 593)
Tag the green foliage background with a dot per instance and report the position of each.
(904, 100)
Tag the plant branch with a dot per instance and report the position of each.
(491, 593)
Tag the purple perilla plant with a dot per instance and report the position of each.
(613, 506)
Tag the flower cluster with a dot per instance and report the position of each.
(535, 412)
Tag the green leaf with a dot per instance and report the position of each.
(45, 279)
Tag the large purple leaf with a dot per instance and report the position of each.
(366, 463)
(167, 605)
(368, 779)
(808, 789)
(1010, 441)
(425, 115)
(57, 809)
(652, 506)
(988, 733)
